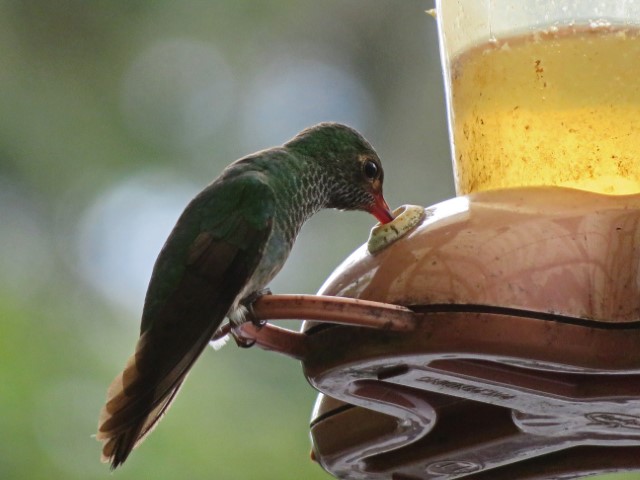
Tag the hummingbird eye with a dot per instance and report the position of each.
(370, 169)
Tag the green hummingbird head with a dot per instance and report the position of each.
(349, 168)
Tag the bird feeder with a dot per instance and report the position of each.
(497, 334)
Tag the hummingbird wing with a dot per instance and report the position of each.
(207, 260)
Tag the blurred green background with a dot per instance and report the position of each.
(113, 114)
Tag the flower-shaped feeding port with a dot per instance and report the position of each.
(405, 218)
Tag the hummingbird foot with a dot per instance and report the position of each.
(227, 331)
(245, 313)
(246, 306)
(241, 341)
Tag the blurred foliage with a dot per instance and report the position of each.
(97, 94)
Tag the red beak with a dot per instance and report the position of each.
(380, 210)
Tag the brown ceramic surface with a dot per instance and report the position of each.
(542, 249)
(519, 358)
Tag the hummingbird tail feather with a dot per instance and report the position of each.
(136, 400)
(117, 448)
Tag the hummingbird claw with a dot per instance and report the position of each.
(248, 302)
(251, 298)
(241, 341)
(257, 322)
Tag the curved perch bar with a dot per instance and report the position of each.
(336, 310)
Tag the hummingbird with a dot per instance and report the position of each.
(227, 245)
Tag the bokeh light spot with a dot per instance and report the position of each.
(123, 231)
(176, 94)
(293, 94)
